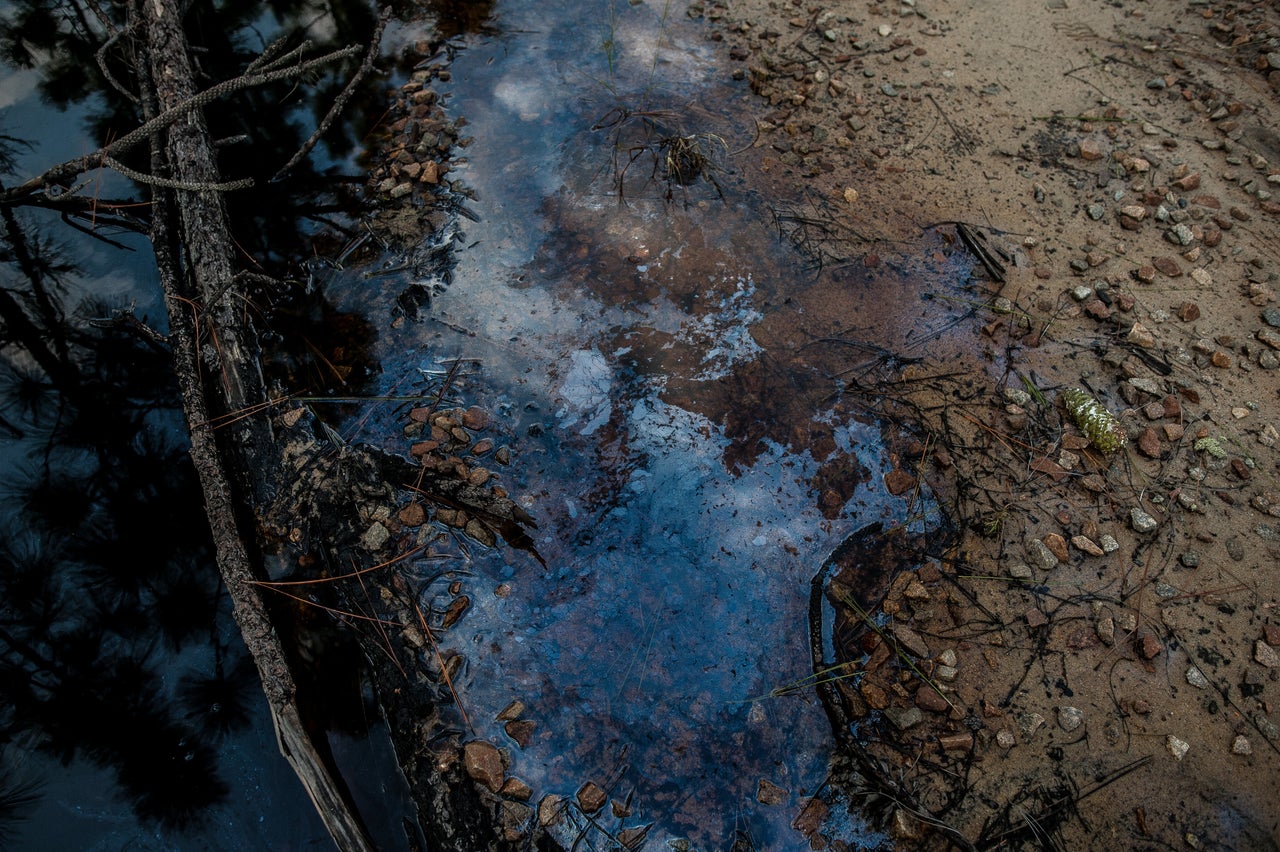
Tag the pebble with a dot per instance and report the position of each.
(1109, 543)
(911, 641)
(1057, 546)
(591, 797)
(1095, 211)
(1241, 745)
(1041, 555)
(1086, 545)
(1196, 678)
(1180, 234)
(1177, 747)
(1141, 521)
(483, 763)
(1106, 630)
(903, 718)
(1070, 718)
(1140, 335)
(1265, 655)
(1005, 739)
(1019, 571)
(1029, 723)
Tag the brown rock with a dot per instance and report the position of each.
(521, 730)
(412, 515)
(1057, 546)
(1040, 464)
(1189, 182)
(1036, 618)
(1172, 408)
(1271, 633)
(591, 798)
(1148, 646)
(1149, 443)
(516, 789)
(456, 608)
(928, 699)
(483, 763)
(899, 482)
(956, 742)
(1220, 359)
(1145, 274)
(1188, 312)
(1167, 266)
(1086, 545)
(876, 698)
(1097, 309)
(1091, 149)
(475, 418)
(768, 793)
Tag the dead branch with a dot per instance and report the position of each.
(63, 172)
(340, 103)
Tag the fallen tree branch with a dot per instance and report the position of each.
(63, 172)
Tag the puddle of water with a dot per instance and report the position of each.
(671, 378)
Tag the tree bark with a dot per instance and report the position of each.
(219, 374)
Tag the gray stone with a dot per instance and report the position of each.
(903, 718)
(1265, 655)
(1095, 211)
(1041, 555)
(1196, 678)
(1180, 234)
(1070, 718)
(1271, 316)
(1029, 723)
(1142, 522)
(1177, 747)
(911, 641)
(1241, 745)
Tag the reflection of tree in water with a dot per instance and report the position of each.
(106, 569)
(106, 561)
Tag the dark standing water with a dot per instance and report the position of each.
(688, 471)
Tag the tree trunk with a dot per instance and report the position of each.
(219, 374)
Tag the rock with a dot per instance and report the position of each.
(1029, 723)
(903, 718)
(1187, 183)
(1149, 646)
(1149, 444)
(550, 810)
(1057, 546)
(412, 515)
(1140, 335)
(1109, 543)
(1106, 630)
(899, 482)
(769, 794)
(514, 817)
(911, 641)
(1196, 678)
(483, 763)
(1005, 739)
(1167, 266)
(1091, 149)
(1180, 234)
(1188, 312)
(1141, 521)
(1086, 545)
(1035, 617)
(962, 741)
(1269, 337)
(1040, 555)
(1177, 747)
(591, 797)
(376, 537)
(1019, 571)
(1070, 718)
(1271, 634)
(1241, 745)
(521, 730)
(1265, 655)
(928, 699)
(514, 788)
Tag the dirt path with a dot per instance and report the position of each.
(1102, 611)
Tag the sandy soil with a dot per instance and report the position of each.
(1105, 610)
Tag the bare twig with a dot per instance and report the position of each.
(340, 102)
